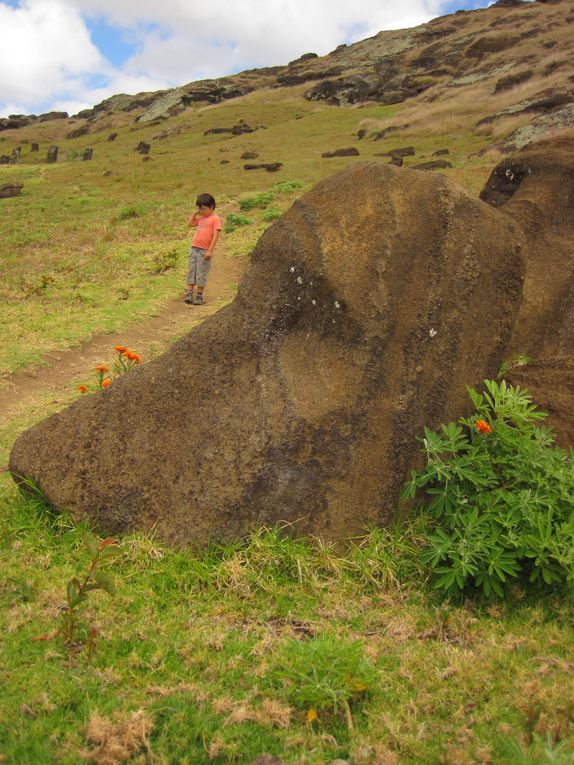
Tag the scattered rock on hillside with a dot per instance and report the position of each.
(35, 147)
(544, 101)
(88, 155)
(403, 151)
(143, 147)
(10, 190)
(436, 164)
(380, 134)
(112, 136)
(506, 83)
(398, 161)
(239, 129)
(5, 159)
(249, 155)
(271, 167)
(550, 382)
(79, 132)
(440, 153)
(352, 151)
(312, 388)
(539, 128)
(52, 155)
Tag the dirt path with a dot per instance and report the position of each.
(66, 369)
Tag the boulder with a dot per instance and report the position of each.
(350, 152)
(143, 147)
(271, 167)
(88, 155)
(112, 136)
(5, 159)
(249, 155)
(539, 191)
(550, 382)
(35, 147)
(301, 401)
(79, 131)
(10, 190)
(435, 164)
(52, 154)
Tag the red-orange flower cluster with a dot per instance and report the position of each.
(102, 368)
(82, 389)
(105, 383)
(482, 426)
(129, 355)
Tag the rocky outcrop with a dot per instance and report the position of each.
(302, 400)
(10, 190)
(351, 151)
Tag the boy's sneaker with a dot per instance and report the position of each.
(189, 298)
(198, 299)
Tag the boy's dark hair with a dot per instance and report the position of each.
(205, 199)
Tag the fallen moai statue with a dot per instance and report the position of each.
(366, 311)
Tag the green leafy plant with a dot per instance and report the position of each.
(518, 360)
(288, 187)
(540, 752)
(271, 214)
(131, 211)
(324, 674)
(260, 200)
(234, 220)
(499, 496)
(72, 627)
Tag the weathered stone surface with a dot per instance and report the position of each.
(550, 382)
(352, 151)
(52, 154)
(271, 167)
(539, 198)
(88, 155)
(435, 164)
(79, 131)
(143, 147)
(10, 190)
(35, 147)
(302, 400)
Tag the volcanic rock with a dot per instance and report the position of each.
(301, 401)
(10, 190)
(52, 154)
(550, 383)
(435, 164)
(271, 167)
(350, 152)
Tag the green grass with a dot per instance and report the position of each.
(198, 642)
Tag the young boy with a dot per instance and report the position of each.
(208, 228)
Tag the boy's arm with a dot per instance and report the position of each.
(209, 253)
(192, 220)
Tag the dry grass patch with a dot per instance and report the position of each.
(116, 740)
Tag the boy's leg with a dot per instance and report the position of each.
(203, 266)
(191, 275)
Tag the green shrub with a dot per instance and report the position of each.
(324, 673)
(234, 220)
(132, 211)
(288, 187)
(500, 497)
(259, 201)
(271, 214)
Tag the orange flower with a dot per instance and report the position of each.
(120, 348)
(102, 368)
(82, 389)
(482, 426)
(133, 357)
(105, 383)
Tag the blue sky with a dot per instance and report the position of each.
(71, 54)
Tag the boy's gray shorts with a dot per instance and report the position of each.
(198, 267)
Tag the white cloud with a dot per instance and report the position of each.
(47, 57)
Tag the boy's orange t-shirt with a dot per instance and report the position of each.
(206, 228)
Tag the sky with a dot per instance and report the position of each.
(68, 55)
